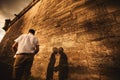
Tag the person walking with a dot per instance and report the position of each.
(25, 46)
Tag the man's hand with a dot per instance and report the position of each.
(37, 49)
(14, 47)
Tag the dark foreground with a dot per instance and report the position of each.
(5, 71)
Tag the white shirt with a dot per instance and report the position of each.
(26, 43)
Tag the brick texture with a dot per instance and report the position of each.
(88, 30)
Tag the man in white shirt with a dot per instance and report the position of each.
(25, 46)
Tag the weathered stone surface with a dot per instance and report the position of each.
(88, 30)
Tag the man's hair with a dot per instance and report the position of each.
(32, 31)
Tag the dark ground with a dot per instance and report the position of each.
(5, 71)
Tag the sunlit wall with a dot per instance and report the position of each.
(88, 30)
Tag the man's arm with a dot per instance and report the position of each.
(14, 47)
(37, 49)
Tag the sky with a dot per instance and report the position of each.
(7, 10)
(2, 32)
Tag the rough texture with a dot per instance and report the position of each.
(88, 30)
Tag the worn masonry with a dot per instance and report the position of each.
(88, 30)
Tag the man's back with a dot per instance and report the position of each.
(26, 43)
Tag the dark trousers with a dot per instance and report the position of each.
(22, 66)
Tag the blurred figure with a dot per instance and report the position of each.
(25, 46)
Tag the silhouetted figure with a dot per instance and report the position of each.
(63, 65)
(50, 69)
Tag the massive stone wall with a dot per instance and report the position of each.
(88, 30)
